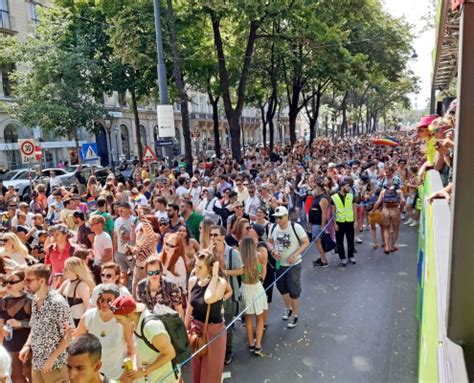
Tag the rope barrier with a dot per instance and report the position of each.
(239, 315)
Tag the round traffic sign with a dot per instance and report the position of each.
(27, 148)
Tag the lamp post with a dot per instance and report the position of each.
(116, 132)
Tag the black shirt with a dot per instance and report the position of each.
(315, 214)
(200, 306)
(18, 308)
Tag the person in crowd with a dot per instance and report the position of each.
(152, 364)
(236, 216)
(116, 340)
(77, 287)
(174, 262)
(288, 241)
(392, 200)
(164, 225)
(252, 203)
(108, 220)
(58, 251)
(124, 234)
(231, 262)
(156, 288)
(374, 218)
(93, 188)
(191, 217)
(160, 208)
(173, 216)
(15, 313)
(102, 246)
(190, 245)
(257, 233)
(50, 320)
(84, 360)
(208, 289)
(205, 231)
(66, 215)
(109, 274)
(253, 297)
(344, 212)
(85, 236)
(317, 217)
(15, 251)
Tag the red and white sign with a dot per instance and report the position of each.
(27, 150)
(38, 153)
(149, 154)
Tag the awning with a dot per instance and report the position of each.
(446, 54)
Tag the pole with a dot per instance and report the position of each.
(161, 70)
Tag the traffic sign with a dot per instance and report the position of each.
(27, 150)
(165, 116)
(38, 153)
(165, 142)
(149, 154)
(89, 152)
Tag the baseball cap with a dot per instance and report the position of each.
(425, 121)
(344, 182)
(280, 211)
(126, 305)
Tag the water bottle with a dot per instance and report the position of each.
(9, 330)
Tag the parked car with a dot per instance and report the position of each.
(69, 178)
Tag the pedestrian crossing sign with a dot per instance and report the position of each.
(148, 154)
(89, 152)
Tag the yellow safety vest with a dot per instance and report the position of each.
(344, 212)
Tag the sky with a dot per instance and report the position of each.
(412, 11)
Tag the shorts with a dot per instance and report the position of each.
(290, 283)
(375, 218)
(125, 265)
(316, 231)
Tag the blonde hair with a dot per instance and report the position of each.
(248, 252)
(18, 246)
(76, 265)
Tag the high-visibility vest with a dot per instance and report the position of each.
(344, 212)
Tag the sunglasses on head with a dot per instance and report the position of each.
(12, 282)
(173, 246)
(153, 272)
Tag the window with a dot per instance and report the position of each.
(4, 15)
(33, 7)
(6, 81)
(194, 105)
(202, 104)
(122, 99)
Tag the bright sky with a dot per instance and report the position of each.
(412, 11)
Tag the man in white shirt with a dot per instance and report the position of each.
(241, 190)
(252, 203)
(195, 191)
(182, 189)
(53, 180)
(102, 246)
(124, 234)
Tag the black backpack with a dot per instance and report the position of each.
(176, 330)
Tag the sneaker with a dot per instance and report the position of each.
(352, 261)
(252, 348)
(409, 221)
(258, 351)
(414, 223)
(358, 240)
(292, 322)
(228, 358)
(319, 263)
(343, 263)
(286, 314)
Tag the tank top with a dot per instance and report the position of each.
(391, 197)
(315, 214)
(200, 306)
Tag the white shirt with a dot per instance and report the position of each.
(181, 191)
(180, 279)
(251, 205)
(102, 241)
(123, 227)
(54, 181)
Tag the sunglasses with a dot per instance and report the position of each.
(214, 235)
(15, 282)
(163, 224)
(171, 245)
(238, 207)
(104, 275)
(246, 184)
(278, 218)
(103, 300)
(247, 228)
(153, 272)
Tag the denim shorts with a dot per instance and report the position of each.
(315, 231)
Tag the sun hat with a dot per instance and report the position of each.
(425, 121)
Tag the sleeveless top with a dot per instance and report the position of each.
(391, 197)
(75, 303)
(200, 306)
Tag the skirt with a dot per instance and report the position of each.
(254, 295)
(375, 217)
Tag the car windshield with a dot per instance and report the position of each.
(25, 176)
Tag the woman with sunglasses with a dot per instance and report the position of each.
(157, 289)
(174, 262)
(109, 274)
(116, 340)
(77, 287)
(15, 312)
(15, 253)
(261, 219)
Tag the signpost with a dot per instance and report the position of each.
(165, 142)
(149, 154)
(89, 152)
(27, 150)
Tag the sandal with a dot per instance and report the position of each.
(386, 251)
(395, 248)
(375, 245)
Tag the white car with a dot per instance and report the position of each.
(23, 179)
(69, 178)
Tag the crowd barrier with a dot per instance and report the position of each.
(440, 359)
(241, 313)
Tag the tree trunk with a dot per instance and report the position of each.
(76, 141)
(233, 114)
(344, 115)
(215, 124)
(313, 113)
(294, 109)
(178, 76)
(326, 127)
(264, 125)
(133, 96)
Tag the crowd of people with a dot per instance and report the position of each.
(84, 270)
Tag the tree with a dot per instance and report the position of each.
(54, 88)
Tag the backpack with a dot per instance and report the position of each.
(292, 226)
(176, 329)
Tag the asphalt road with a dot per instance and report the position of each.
(357, 324)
